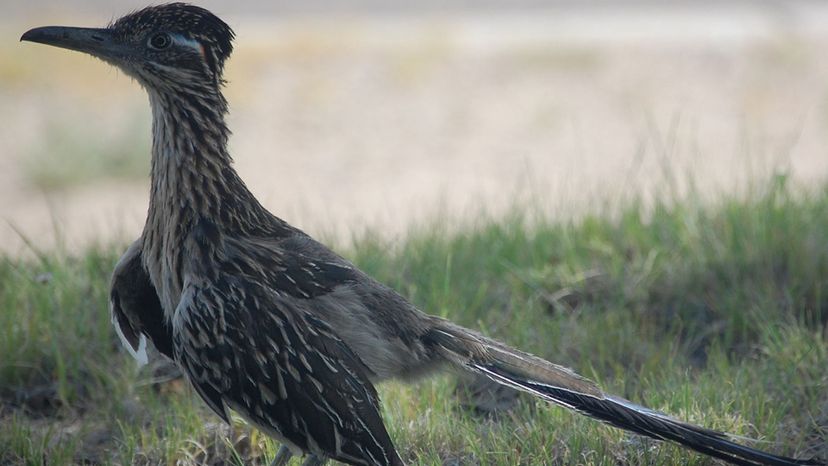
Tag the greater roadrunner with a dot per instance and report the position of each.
(266, 321)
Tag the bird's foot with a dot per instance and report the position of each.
(282, 457)
(312, 460)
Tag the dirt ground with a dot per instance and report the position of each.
(367, 122)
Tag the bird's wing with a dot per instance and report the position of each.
(296, 265)
(246, 347)
(135, 307)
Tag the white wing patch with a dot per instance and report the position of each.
(140, 354)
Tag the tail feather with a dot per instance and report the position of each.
(564, 387)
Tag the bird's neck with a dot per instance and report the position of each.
(194, 188)
(192, 177)
(196, 197)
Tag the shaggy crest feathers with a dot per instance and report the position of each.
(182, 18)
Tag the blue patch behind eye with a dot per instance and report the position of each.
(180, 39)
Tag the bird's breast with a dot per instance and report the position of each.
(164, 237)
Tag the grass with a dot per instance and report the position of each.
(714, 313)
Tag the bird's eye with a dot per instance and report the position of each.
(160, 41)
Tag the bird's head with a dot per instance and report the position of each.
(171, 46)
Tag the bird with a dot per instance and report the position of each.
(267, 322)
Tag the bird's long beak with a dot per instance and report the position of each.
(98, 42)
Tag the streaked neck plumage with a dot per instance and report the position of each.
(191, 170)
(193, 186)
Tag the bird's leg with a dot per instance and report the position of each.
(282, 457)
(313, 460)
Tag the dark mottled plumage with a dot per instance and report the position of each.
(263, 319)
(130, 291)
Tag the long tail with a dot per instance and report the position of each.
(562, 386)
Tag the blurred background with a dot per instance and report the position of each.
(377, 115)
